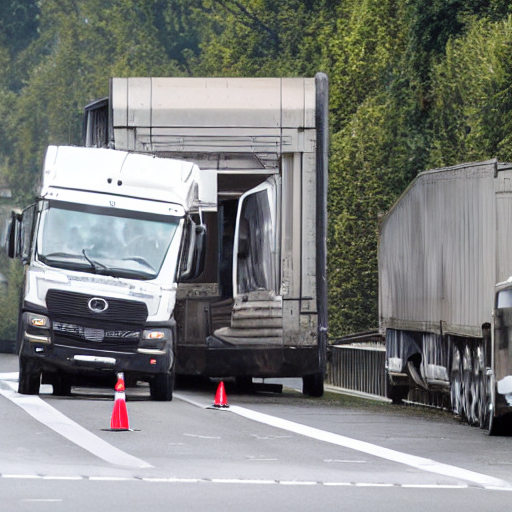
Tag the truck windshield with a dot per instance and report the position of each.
(105, 241)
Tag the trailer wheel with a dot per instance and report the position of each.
(483, 408)
(468, 387)
(456, 383)
(161, 386)
(30, 377)
(397, 394)
(496, 425)
(313, 385)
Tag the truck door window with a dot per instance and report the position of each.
(504, 299)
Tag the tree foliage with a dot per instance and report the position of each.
(413, 84)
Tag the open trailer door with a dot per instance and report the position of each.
(257, 316)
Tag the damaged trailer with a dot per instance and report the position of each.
(259, 306)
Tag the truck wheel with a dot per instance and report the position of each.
(61, 385)
(497, 424)
(30, 377)
(467, 386)
(397, 394)
(482, 400)
(161, 386)
(496, 427)
(244, 384)
(313, 385)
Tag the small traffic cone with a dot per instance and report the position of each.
(221, 399)
(119, 420)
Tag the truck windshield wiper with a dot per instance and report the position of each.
(141, 261)
(96, 265)
(54, 255)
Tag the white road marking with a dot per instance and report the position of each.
(378, 451)
(41, 500)
(9, 376)
(420, 463)
(241, 481)
(58, 422)
(201, 437)
(345, 461)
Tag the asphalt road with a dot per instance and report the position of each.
(266, 451)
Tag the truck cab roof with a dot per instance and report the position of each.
(109, 171)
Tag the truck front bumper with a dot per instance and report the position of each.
(93, 362)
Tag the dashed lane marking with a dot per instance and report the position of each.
(420, 463)
(241, 481)
(61, 424)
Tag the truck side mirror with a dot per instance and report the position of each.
(13, 235)
(200, 255)
(193, 252)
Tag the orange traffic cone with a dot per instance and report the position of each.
(119, 420)
(221, 399)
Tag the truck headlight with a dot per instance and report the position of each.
(38, 321)
(156, 334)
(153, 341)
(37, 328)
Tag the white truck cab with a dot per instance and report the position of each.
(104, 247)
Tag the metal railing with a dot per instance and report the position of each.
(357, 364)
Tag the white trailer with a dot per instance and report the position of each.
(444, 288)
(243, 162)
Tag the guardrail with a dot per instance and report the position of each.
(357, 365)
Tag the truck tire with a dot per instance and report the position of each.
(496, 426)
(30, 377)
(313, 385)
(497, 423)
(61, 385)
(456, 383)
(397, 394)
(161, 387)
(244, 384)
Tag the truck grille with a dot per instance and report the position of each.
(117, 328)
(62, 304)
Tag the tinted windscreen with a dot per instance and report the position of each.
(107, 241)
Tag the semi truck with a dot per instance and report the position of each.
(187, 237)
(445, 291)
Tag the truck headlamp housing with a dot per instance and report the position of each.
(156, 334)
(37, 328)
(153, 341)
(38, 321)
